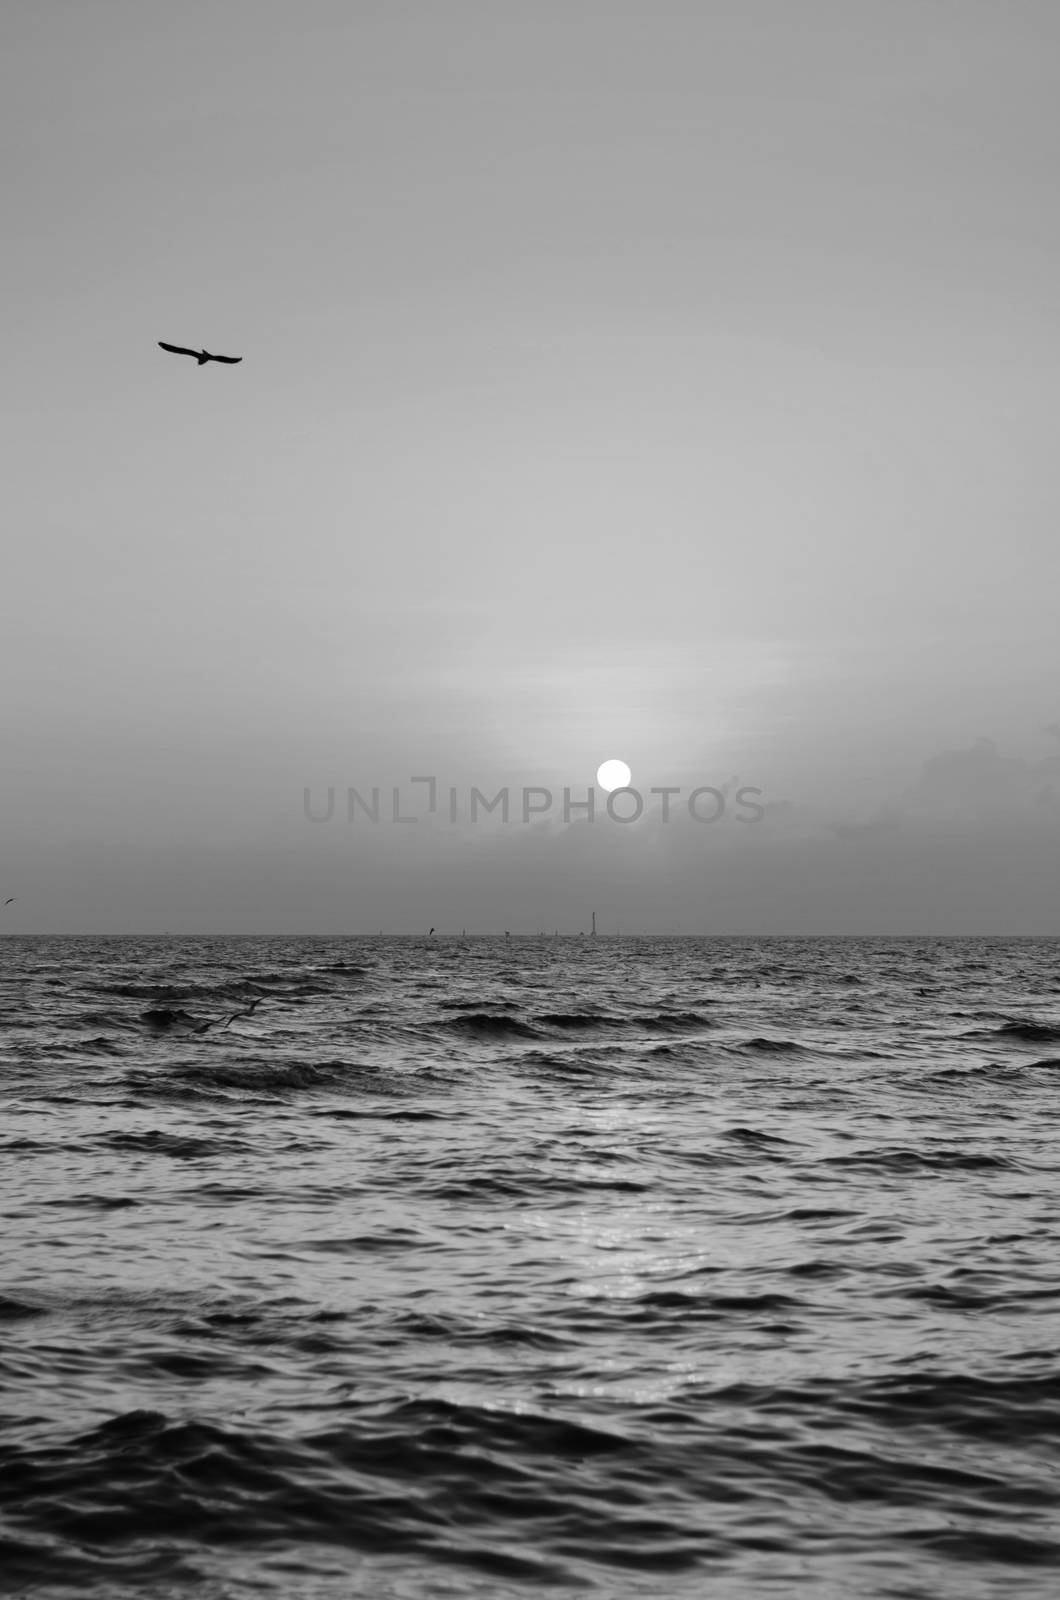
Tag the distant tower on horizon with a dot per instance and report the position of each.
(594, 925)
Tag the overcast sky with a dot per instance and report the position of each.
(668, 382)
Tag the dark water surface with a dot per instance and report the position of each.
(647, 1268)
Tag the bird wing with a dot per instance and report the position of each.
(231, 360)
(177, 349)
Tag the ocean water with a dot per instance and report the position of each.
(409, 1268)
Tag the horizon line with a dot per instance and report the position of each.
(633, 933)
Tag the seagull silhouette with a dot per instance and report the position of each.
(248, 1012)
(201, 356)
(10, 900)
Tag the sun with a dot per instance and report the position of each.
(611, 775)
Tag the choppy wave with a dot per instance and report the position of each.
(367, 1267)
(1031, 1031)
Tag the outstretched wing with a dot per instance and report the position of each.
(177, 349)
(231, 360)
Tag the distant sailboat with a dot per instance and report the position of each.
(593, 935)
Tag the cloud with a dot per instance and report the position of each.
(971, 787)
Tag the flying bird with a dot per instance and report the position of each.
(201, 356)
(10, 900)
(245, 1013)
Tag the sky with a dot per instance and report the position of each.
(667, 382)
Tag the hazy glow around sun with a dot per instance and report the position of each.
(611, 775)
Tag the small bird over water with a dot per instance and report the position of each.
(201, 356)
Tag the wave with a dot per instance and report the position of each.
(488, 1025)
(156, 1141)
(674, 1021)
(897, 1159)
(1032, 1031)
(480, 1004)
(161, 1017)
(258, 1079)
(12, 1310)
(717, 1307)
(772, 1046)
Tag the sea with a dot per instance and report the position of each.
(488, 1267)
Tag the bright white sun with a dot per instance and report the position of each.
(611, 775)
